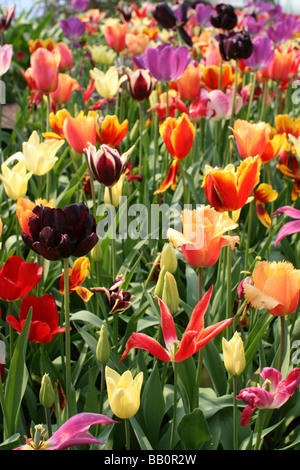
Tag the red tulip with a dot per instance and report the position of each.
(18, 278)
(193, 339)
(44, 323)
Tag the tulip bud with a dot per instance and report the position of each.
(168, 258)
(234, 354)
(170, 295)
(103, 348)
(160, 283)
(46, 395)
(96, 252)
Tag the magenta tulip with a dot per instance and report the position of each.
(290, 227)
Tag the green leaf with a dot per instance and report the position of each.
(193, 430)
(255, 334)
(16, 380)
(153, 405)
(140, 435)
(215, 367)
(10, 443)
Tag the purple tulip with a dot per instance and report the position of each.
(72, 433)
(262, 54)
(253, 25)
(73, 27)
(203, 14)
(290, 227)
(79, 5)
(60, 233)
(167, 63)
(282, 30)
(6, 53)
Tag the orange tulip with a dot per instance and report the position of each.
(228, 189)
(274, 286)
(188, 85)
(77, 275)
(203, 235)
(111, 132)
(285, 124)
(178, 135)
(65, 88)
(56, 121)
(137, 43)
(210, 76)
(81, 130)
(263, 194)
(115, 34)
(250, 138)
(24, 211)
(275, 146)
(44, 66)
(35, 44)
(284, 65)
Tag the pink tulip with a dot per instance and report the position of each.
(45, 65)
(6, 53)
(290, 227)
(273, 393)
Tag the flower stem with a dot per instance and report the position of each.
(253, 83)
(67, 335)
(48, 128)
(250, 215)
(175, 365)
(127, 434)
(48, 422)
(185, 194)
(229, 287)
(259, 426)
(235, 423)
(281, 349)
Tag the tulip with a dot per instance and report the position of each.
(107, 84)
(115, 34)
(251, 139)
(15, 180)
(188, 85)
(6, 53)
(77, 274)
(211, 73)
(290, 227)
(66, 86)
(35, 44)
(102, 54)
(203, 14)
(165, 16)
(123, 392)
(113, 193)
(106, 164)
(194, 338)
(263, 194)
(203, 235)
(80, 5)
(282, 30)
(234, 354)
(103, 347)
(224, 17)
(111, 132)
(72, 433)
(174, 104)
(18, 278)
(117, 299)
(66, 56)
(137, 43)
(56, 121)
(81, 130)
(6, 17)
(262, 53)
(24, 209)
(168, 258)
(283, 66)
(219, 104)
(61, 233)
(273, 393)
(275, 286)
(235, 45)
(165, 62)
(45, 66)
(46, 394)
(140, 84)
(40, 157)
(228, 189)
(73, 28)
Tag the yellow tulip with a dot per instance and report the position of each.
(15, 179)
(123, 392)
(234, 354)
(40, 157)
(102, 54)
(107, 84)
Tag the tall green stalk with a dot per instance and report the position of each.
(173, 429)
(67, 336)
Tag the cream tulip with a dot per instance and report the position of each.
(123, 392)
(107, 84)
(102, 54)
(40, 157)
(234, 354)
(15, 179)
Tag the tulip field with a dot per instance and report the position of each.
(149, 228)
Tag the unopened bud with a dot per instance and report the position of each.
(160, 283)
(46, 395)
(234, 354)
(170, 293)
(103, 348)
(168, 258)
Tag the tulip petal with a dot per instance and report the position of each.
(142, 341)
(167, 323)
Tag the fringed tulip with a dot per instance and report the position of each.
(194, 338)
(18, 278)
(123, 392)
(203, 236)
(228, 189)
(273, 393)
(275, 286)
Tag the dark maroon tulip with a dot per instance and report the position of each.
(225, 17)
(106, 164)
(60, 233)
(117, 299)
(140, 84)
(6, 16)
(165, 16)
(235, 45)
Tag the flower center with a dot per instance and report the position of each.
(37, 442)
(173, 348)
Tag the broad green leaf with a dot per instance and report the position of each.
(193, 430)
(153, 405)
(140, 435)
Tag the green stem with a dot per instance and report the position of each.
(48, 129)
(175, 365)
(67, 335)
(253, 84)
(127, 433)
(228, 145)
(250, 215)
(259, 426)
(229, 287)
(235, 421)
(113, 244)
(185, 193)
(281, 348)
(92, 186)
(48, 422)
(263, 100)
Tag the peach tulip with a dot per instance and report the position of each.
(65, 88)
(275, 286)
(188, 85)
(250, 138)
(115, 33)
(81, 130)
(45, 69)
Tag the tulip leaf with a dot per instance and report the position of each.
(193, 430)
(140, 435)
(153, 405)
(16, 379)
(215, 367)
(257, 331)
(10, 443)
